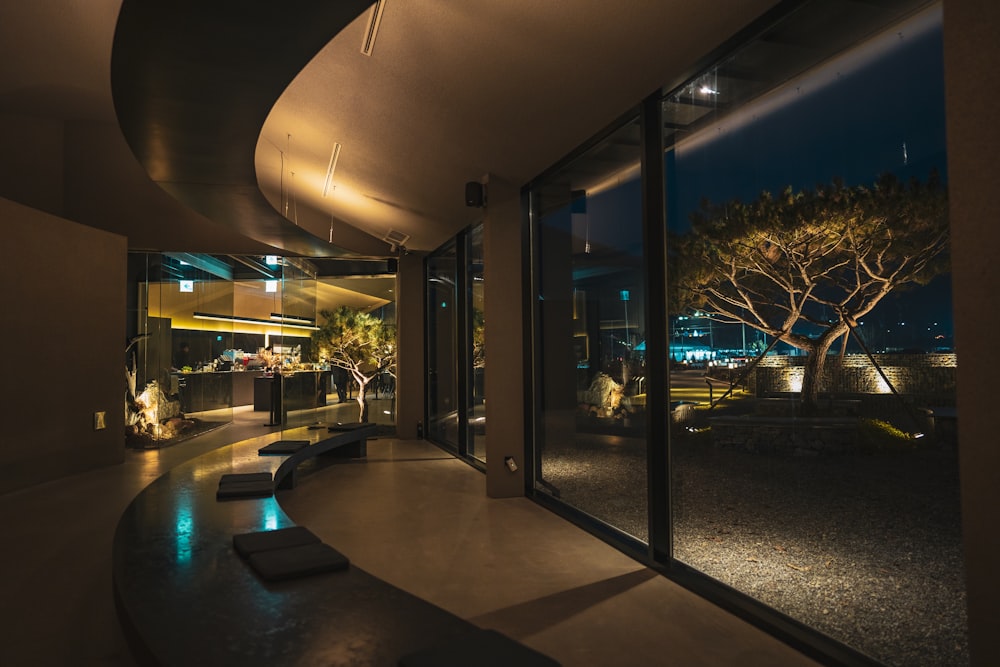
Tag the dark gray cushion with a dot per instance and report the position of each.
(268, 540)
(244, 477)
(258, 489)
(483, 648)
(282, 447)
(300, 561)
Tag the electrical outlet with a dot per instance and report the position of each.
(99, 421)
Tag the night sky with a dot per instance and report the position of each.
(853, 129)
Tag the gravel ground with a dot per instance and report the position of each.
(866, 549)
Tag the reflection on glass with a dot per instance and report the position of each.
(591, 449)
(811, 337)
(442, 347)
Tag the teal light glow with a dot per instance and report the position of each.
(184, 535)
(270, 516)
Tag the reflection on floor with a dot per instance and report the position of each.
(421, 520)
(417, 517)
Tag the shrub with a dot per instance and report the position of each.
(875, 435)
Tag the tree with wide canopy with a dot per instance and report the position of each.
(804, 266)
(359, 342)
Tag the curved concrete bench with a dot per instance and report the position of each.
(185, 597)
(348, 441)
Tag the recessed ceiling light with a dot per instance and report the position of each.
(374, 21)
(334, 156)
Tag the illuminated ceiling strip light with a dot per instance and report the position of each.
(374, 21)
(206, 263)
(250, 320)
(252, 263)
(334, 156)
(295, 319)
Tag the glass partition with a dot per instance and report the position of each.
(305, 382)
(215, 337)
(178, 378)
(590, 445)
(813, 463)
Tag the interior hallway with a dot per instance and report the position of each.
(412, 515)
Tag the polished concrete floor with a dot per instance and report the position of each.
(411, 515)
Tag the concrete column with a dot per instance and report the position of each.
(410, 372)
(505, 380)
(972, 82)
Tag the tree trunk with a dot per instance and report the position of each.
(362, 402)
(812, 376)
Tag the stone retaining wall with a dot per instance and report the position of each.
(925, 379)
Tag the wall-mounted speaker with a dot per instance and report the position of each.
(475, 194)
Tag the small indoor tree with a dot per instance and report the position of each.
(803, 267)
(361, 344)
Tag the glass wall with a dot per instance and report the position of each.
(221, 336)
(811, 479)
(456, 350)
(809, 237)
(591, 446)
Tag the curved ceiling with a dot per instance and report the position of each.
(179, 124)
(192, 83)
(458, 91)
